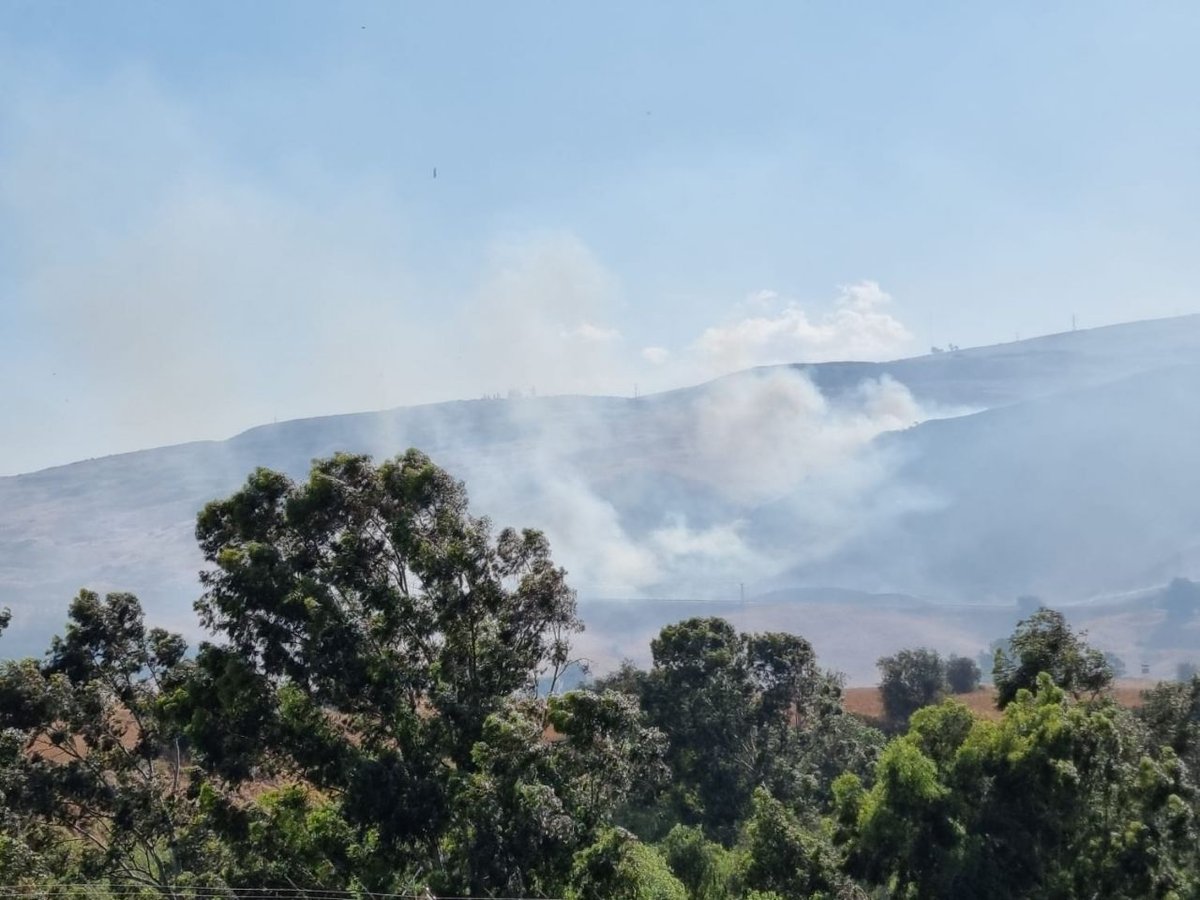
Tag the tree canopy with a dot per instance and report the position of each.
(380, 707)
(1045, 644)
(910, 680)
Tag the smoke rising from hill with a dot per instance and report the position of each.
(170, 295)
(767, 438)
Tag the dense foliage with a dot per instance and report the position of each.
(910, 680)
(381, 708)
(1043, 644)
(962, 674)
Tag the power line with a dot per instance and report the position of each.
(243, 893)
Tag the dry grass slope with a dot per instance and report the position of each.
(866, 701)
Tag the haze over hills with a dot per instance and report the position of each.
(1062, 466)
(1067, 497)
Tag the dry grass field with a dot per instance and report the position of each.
(866, 702)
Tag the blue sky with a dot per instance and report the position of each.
(213, 215)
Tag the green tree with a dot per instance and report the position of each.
(910, 680)
(372, 629)
(740, 711)
(619, 867)
(699, 692)
(627, 678)
(88, 765)
(531, 801)
(786, 856)
(289, 836)
(1044, 643)
(27, 840)
(962, 674)
(1171, 711)
(1059, 799)
(987, 659)
(707, 870)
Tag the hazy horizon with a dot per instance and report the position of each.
(532, 394)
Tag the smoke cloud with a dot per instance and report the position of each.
(174, 296)
(857, 328)
(716, 480)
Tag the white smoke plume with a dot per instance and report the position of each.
(857, 328)
(758, 436)
(759, 443)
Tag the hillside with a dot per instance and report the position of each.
(1067, 497)
(1062, 466)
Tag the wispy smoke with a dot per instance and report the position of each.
(539, 317)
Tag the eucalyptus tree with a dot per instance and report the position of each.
(1059, 799)
(371, 629)
(740, 712)
(93, 775)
